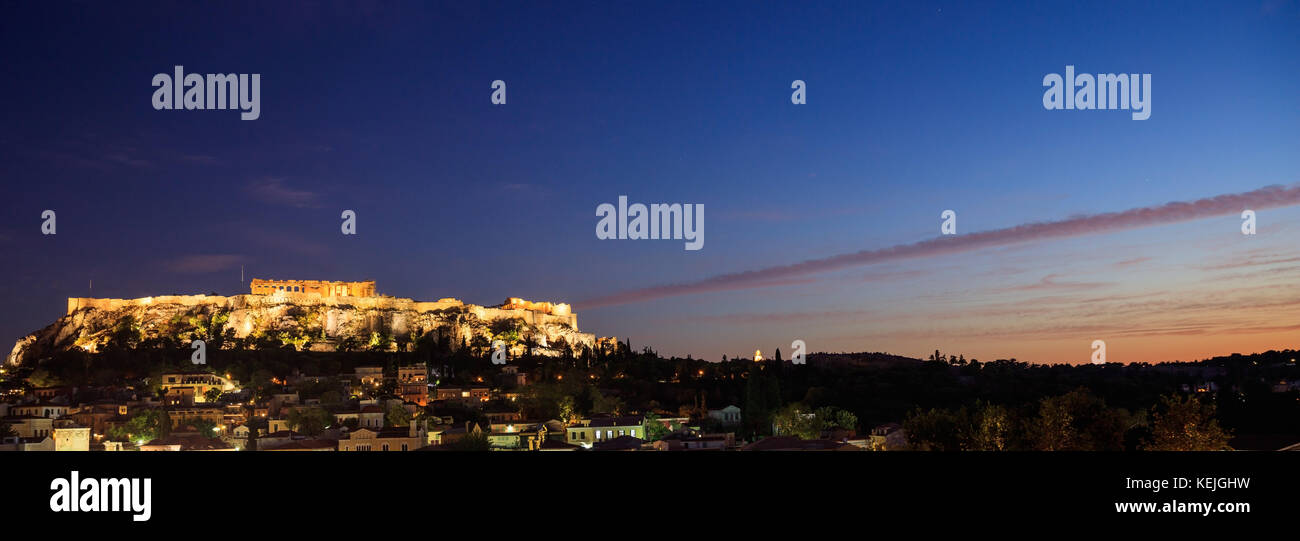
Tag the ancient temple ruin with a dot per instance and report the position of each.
(324, 288)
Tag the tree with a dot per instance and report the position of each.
(830, 417)
(933, 430)
(145, 426)
(601, 404)
(203, 426)
(1078, 421)
(757, 413)
(654, 428)
(474, 440)
(260, 381)
(567, 410)
(1055, 428)
(126, 334)
(309, 421)
(212, 395)
(251, 443)
(42, 378)
(993, 429)
(348, 344)
(797, 420)
(1186, 424)
(793, 420)
(397, 416)
(380, 341)
(507, 330)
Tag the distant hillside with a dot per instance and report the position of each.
(860, 360)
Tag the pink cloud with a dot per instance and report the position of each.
(273, 190)
(1168, 213)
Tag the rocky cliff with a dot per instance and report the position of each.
(301, 320)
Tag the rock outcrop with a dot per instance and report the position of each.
(302, 320)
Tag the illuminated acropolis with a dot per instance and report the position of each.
(336, 310)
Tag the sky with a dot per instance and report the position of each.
(912, 108)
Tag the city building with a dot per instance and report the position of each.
(41, 409)
(413, 384)
(189, 388)
(728, 416)
(517, 437)
(72, 438)
(406, 438)
(588, 432)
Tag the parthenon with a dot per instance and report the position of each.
(324, 288)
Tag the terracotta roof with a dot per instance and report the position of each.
(395, 432)
(621, 443)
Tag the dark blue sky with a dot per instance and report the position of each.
(913, 107)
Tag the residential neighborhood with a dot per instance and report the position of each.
(202, 411)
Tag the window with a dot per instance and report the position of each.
(385, 446)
